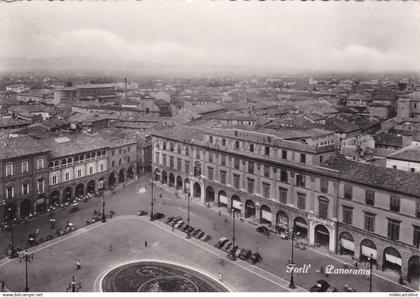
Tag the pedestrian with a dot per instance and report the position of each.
(226, 221)
(220, 277)
(219, 213)
(145, 243)
(321, 270)
(123, 185)
(78, 266)
(173, 228)
(2, 286)
(160, 196)
(110, 247)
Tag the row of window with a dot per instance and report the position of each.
(91, 171)
(25, 190)
(369, 225)
(79, 158)
(267, 150)
(24, 167)
(300, 179)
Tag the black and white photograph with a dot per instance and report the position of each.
(209, 146)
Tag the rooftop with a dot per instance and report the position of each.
(14, 147)
(375, 176)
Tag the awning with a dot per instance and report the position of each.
(367, 251)
(393, 259)
(236, 204)
(347, 244)
(302, 225)
(40, 201)
(266, 215)
(323, 232)
(223, 199)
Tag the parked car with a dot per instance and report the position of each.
(158, 216)
(245, 254)
(231, 256)
(199, 234)
(255, 258)
(221, 242)
(141, 212)
(32, 236)
(262, 229)
(320, 286)
(168, 220)
(61, 232)
(184, 228)
(195, 232)
(232, 249)
(238, 252)
(74, 207)
(179, 224)
(227, 246)
(205, 237)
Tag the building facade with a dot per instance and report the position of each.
(23, 177)
(285, 184)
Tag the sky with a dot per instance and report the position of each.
(315, 36)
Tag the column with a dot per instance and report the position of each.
(332, 240)
(312, 198)
(311, 231)
(292, 198)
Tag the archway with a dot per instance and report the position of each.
(90, 187)
(196, 190)
(10, 212)
(322, 236)
(121, 176)
(112, 179)
(54, 197)
(67, 193)
(368, 250)
(301, 226)
(130, 172)
(282, 222)
(236, 203)
(186, 185)
(249, 209)
(209, 194)
(222, 199)
(413, 268)
(40, 204)
(80, 188)
(392, 260)
(179, 183)
(25, 208)
(164, 177)
(346, 244)
(157, 174)
(171, 182)
(266, 217)
(101, 185)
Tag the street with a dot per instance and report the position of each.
(274, 251)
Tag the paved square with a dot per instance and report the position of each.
(54, 262)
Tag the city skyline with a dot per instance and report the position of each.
(294, 36)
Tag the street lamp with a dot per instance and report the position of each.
(370, 272)
(11, 219)
(188, 214)
(151, 202)
(234, 213)
(103, 207)
(27, 257)
(74, 286)
(293, 233)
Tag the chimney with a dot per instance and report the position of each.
(125, 81)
